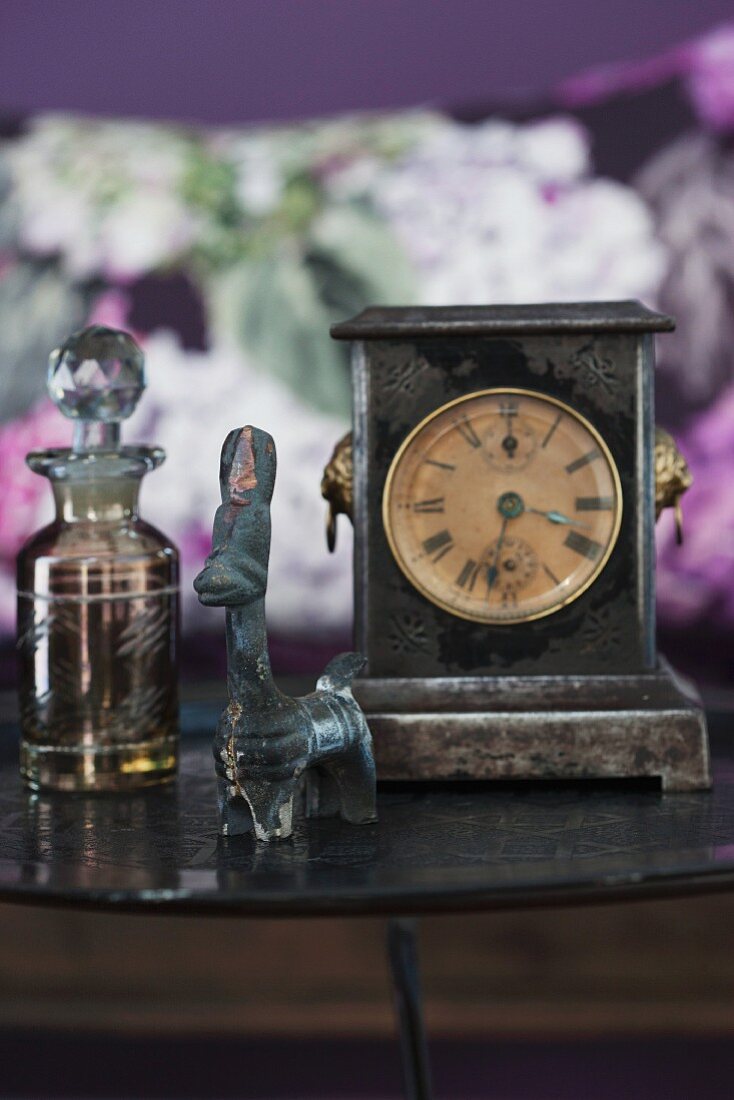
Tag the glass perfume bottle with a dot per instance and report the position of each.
(97, 592)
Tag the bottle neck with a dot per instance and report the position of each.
(96, 486)
(96, 501)
(93, 435)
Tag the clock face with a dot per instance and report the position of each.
(502, 506)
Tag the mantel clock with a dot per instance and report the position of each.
(504, 505)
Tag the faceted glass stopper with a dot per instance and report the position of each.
(97, 374)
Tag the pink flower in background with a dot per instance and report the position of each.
(706, 65)
(710, 77)
(110, 308)
(603, 81)
(696, 580)
(21, 498)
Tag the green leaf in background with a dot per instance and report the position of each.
(362, 251)
(278, 308)
(270, 308)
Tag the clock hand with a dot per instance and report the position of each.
(493, 571)
(509, 443)
(558, 517)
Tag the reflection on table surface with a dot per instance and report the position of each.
(432, 842)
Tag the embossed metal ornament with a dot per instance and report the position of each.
(336, 486)
(672, 478)
(266, 743)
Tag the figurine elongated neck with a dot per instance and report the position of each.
(250, 681)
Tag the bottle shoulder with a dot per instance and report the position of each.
(156, 537)
(98, 541)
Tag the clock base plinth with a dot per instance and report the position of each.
(539, 727)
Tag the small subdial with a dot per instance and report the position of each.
(510, 444)
(512, 569)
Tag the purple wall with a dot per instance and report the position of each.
(235, 60)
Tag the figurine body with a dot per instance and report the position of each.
(266, 742)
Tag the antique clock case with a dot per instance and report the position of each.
(579, 692)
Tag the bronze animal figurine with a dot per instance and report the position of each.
(267, 743)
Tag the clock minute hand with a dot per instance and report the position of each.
(493, 571)
(558, 517)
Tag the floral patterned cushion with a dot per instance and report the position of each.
(230, 252)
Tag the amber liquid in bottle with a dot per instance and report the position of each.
(97, 633)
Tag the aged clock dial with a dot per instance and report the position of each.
(502, 506)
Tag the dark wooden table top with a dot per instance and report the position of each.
(435, 848)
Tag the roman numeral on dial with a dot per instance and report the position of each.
(423, 506)
(551, 430)
(594, 504)
(584, 546)
(584, 460)
(468, 576)
(466, 429)
(439, 465)
(550, 574)
(438, 545)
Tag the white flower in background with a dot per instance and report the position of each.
(504, 213)
(260, 172)
(555, 150)
(349, 179)
(54, 213)
(143, 231)
(603, 238)
(192, 401)
(105, 196)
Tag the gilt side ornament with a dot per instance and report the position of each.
(672, 478)
(267, 744)
(336, 486)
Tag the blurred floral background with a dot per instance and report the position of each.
(228, 252)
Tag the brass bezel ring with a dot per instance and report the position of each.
(404, 446)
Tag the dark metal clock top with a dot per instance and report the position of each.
(394, 322)
(435, 847)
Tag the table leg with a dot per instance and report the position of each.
(402, 949)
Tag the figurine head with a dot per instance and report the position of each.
(236, 572)
(247, 467)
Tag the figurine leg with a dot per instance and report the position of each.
(354, 775)
(322, 794)
(235, 816)
(272, 807)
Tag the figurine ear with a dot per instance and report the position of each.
(229, 448)
(263, 447)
